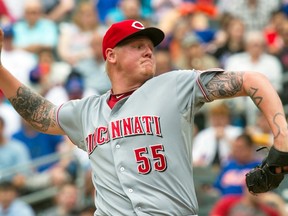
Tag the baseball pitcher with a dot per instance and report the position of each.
(138, 135)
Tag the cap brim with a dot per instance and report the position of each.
(154, 34)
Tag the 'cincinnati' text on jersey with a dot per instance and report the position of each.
(131, 126)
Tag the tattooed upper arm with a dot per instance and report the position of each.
(225, 85)
(35, 109)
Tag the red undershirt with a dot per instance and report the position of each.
(114, 98)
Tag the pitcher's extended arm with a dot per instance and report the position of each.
(259, 89)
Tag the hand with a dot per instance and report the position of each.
(269, 174)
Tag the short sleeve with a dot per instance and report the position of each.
(204, 78)
(191, 88)
(69, 119)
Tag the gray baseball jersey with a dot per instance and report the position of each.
(140, 151)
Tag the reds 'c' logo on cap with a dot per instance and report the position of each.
(137, 25)
(128, 29)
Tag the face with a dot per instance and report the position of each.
(88, 17)
(135, 59)
(195, 51)
(241, 151)
(236, 29)
(7, 197)
(68, 197)
(33, 13)
(130, 8)
(219, 120)
(255, 48)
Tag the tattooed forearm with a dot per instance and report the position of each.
(275, 117)
(256, 99)
(224, 85)
(33, 108)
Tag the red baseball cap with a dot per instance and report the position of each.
(127, 29)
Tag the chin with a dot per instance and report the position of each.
(151, 70)
(150, 74)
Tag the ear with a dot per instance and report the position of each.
(110, 55)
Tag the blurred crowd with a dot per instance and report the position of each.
(55, 47)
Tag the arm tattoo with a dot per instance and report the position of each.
(256, 99)
(276, 124)
(225, 85)
(34, 108)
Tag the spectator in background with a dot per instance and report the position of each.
(254, 58)
(241, 160)
(254, 13)
(39, 144)
(12, 153)
(163, 7)
(243, 204)
(272, 32)
(73, 87)
(103, 7)
(93, 69)
(200, 25)
(234, 42)
(127, 9)
(29, 31)
(221, 35)
(51, 173)
(11, 54)
(66, 202)
(75, 37)
(187, 18)
(10, 204)
(194, 54)
(176, 35)
(48, 72)
(212, 145)
(58, 10)
(164, 61)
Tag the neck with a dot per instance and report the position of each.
(121, 85)
(255, 58)
(117, 91)
(123, 81)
